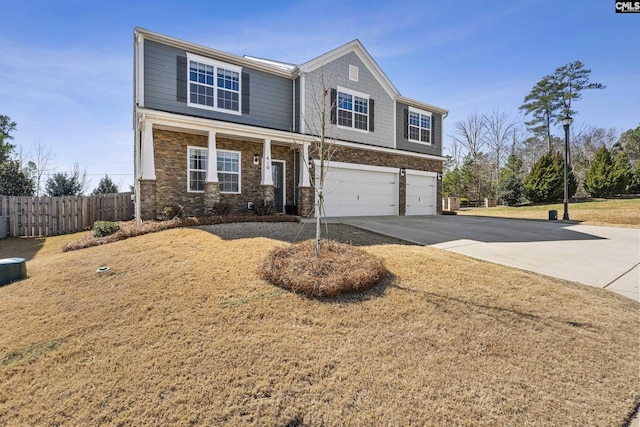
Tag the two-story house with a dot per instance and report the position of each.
(214, 127)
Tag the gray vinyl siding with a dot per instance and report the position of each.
(270, 96)
(403, 143)
(296, 101)
(336, 73)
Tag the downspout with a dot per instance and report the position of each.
(136, 133)
(137, 170)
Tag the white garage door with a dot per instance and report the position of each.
(421, 193)
(359, 190)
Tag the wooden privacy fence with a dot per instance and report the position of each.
(51, 216)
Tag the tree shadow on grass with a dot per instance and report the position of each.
(389, 280)
(21, 247)
(298, 232)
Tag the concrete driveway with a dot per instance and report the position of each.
(606, 257)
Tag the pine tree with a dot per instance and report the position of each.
(545, 182)
(61, 184)
(599, 179)
(510, 184)
(105, 186)
(14, 180)
(634, 182)
(621, 173)
(6, 127)
(543, 103)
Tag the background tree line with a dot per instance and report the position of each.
(19, 177)
(494, 156)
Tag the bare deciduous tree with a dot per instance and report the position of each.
(470, 133)
(499, 132)
(39, 164)
(317, 124)
(81, 177)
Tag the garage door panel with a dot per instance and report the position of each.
(357, 191)
(421, 195)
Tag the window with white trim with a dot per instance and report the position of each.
(213, 85)
(353, 109)
(196, 169)
(228, 163)
(419, 126)
(229, 171)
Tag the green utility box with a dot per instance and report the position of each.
(12, 269)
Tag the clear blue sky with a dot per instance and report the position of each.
(66, 66)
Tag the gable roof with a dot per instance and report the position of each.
(264, 65)
(356, 47)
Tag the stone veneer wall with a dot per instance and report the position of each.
(170, 187)
(147, 199)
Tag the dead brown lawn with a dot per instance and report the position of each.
(617, 212)
(182, 331)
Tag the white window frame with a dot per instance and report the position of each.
(189, 170)
(420, 128)
(353, 93)
(239, 173)
(215, 64)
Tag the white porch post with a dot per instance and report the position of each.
(304, 162)
(148, 161)
(212, 159)
(267, 177)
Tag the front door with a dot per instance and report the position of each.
(277, 170)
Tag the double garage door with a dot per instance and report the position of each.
(362, 190)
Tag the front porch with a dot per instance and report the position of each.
(201, 169)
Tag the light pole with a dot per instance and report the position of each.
(566, 122)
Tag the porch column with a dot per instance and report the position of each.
(304, 166)
(306, 195)
(146, 176)
(211, 185)
(212, 161)
(267, 176)
(148, 161)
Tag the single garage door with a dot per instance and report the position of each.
(421, 193)
(359, 190)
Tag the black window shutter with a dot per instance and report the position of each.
(181, 86)
(245, 93)
(334, 106)
(406, 123)
(372, 114)
(431, 132)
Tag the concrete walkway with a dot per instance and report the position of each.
(606, 257)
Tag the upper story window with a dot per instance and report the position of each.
(353, 109)
(419, 126)
(213, 85)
